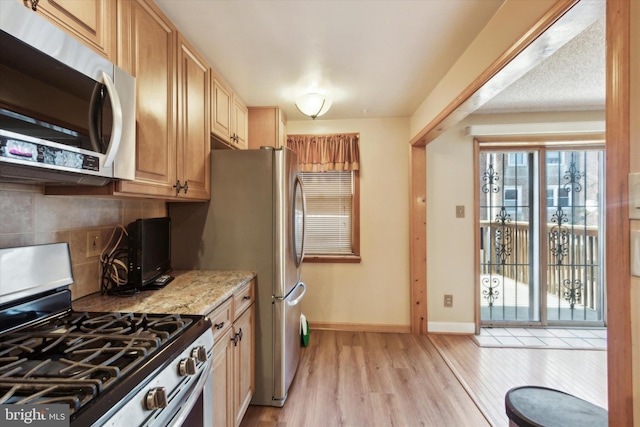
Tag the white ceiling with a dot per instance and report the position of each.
(572, 79)
(374, 58)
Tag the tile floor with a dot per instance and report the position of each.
(565, 338)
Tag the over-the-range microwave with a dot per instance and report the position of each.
(67, 114)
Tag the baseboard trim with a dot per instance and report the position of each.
(359, 327)
(451, 328)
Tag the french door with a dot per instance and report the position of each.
(541, 245)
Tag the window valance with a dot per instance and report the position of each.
(321, 153)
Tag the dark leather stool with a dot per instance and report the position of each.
(531, 406)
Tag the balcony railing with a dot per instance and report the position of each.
(575, 278)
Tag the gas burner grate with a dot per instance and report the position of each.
(47, 391)
(74, 358)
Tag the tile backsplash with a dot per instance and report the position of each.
(28, 217)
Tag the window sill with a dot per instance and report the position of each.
(332, 258)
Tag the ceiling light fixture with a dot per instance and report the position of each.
(313, 104)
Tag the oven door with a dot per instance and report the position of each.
(201, 413)
(197, 409)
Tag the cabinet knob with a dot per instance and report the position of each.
(156, 398)
(246, 297)
(34, 5)
(185, 187)
(219, 325)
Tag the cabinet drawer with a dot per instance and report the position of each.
(221, 319)
(243, 298)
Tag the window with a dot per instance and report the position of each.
(332, 223)
(513, 199)
(557, 197)
(517, 159)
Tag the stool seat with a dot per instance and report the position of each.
(531, 406)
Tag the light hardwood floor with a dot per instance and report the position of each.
(387, 379)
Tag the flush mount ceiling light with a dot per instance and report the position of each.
(313, 104)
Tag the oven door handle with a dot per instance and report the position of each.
(194, 394)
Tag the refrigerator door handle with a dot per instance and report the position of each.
(304, 218)
(297, 300)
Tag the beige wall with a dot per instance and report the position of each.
(29, 217)
(450, 240)
(375, 291)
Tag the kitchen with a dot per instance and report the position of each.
(32, 217)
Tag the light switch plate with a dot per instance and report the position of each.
(635, 253)
(634, 195)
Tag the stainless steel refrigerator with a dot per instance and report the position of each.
(254, 221)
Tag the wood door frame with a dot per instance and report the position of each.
(620, 386)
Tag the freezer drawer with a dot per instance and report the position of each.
(286, 313)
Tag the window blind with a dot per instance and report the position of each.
(329, 198)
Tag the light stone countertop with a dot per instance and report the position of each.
(191, 292)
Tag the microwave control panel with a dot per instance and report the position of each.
(22, 150)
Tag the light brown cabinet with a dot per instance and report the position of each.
(267, 127)
(193, 180)
(229, 115)
(243, 364)
(93, 22)
(147, 49)
(233, 356)
(172, 81)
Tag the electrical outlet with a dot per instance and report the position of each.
(460, 211)
(94, 244)
(448, 300)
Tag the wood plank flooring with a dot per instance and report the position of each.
(488, 373)
(387, 379)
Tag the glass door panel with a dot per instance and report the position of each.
(509, 290)
(574, 224)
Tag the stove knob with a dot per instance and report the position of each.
(187, 366)
(199, 353)
(156, 398)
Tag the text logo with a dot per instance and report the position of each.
(55, 415)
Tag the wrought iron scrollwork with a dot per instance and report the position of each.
(573, 291)
(491, 285)
(559, 236)
(504, 236)
(490, 178)
(573, 176)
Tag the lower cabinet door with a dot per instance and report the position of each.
(223, 415)
(244, 358)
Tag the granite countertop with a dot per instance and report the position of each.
(192, 292)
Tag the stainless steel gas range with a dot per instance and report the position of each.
(111, 369)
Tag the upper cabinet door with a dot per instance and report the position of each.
(221, 109)
(229, 115)
(241, 124)
(267, 127)
(93, 22)
(147, 50)
(194, 140)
